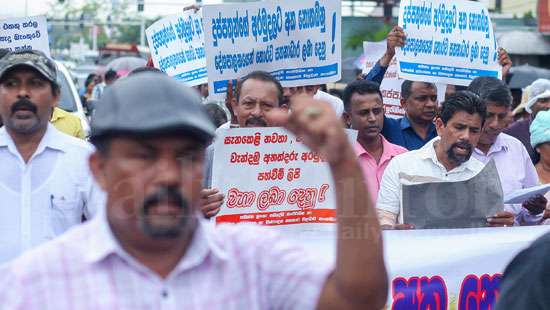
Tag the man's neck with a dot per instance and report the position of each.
(27, 144)
(373, 146)
(442, 157)
(484, 147)
(421, 128)
(160, 256)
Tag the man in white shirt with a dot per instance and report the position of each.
(446, 158)
(45, 184)
(514, 166)
(151, 250)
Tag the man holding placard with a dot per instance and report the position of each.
(446, 158)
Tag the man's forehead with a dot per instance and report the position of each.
(258, 88)
(467, 119)
(369, 100)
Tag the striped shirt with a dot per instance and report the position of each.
(225, 267)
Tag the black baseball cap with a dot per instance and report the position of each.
(32, 58)
(150, 103)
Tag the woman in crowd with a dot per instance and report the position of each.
(540, 140)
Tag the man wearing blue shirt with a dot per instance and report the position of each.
(416, 128)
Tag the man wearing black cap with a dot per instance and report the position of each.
(151, 249)
(45, 184)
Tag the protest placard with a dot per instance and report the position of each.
(297, 41)
(269, 177)
(465, 204)
(177, 47)
(450, 42)
(25, 33)
(391, 84)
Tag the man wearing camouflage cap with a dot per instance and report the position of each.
(45, 184)
(152, 249)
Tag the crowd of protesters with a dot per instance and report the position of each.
(138, 193)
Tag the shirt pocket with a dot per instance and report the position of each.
(65, 210)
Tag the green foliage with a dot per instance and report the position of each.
(356, 41)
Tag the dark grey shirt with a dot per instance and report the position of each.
(526, 281)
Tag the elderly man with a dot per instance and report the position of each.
(538, 100)
(446, 158)
(150, 249)
(257, 96)
(45, 184)
(515, 169)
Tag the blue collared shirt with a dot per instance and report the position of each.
(376, 74)
(400, 132)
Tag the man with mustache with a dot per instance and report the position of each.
(515, 169)
(151, 249)
(257, 97)
(45, 184)
(416, 128)
(364, 112)
(446, 158)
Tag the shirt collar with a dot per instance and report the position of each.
(389, 151)
(104, 244)
(51, 139)
(428, 152)
(57, 114)
(406, 123)
(498, 146)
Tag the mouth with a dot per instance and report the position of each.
(429, 114)
(372, 129)
(462, 150)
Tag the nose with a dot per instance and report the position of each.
(23, 91)
(371, 118)
(168, 172)
(256, 111)
(431, 103)
(492, 123)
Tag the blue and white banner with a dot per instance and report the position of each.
(25, 33)
(450, 42)
(176, 43)
(297, 41)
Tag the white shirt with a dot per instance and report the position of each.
(419, 166)
(336, 103)
(44, 197)
(515, 170)
(229, 267)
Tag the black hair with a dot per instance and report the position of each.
(262, 76)
(145, 69)
(407, 86)
(361, 87)
(491, 89)
(89, 79)
(216, 113)
(110, 74)
(465, 101)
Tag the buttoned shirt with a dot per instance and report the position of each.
(42, 198)
(415, 167)
(67, 123)
(231, 266)
(400, 132)
(373, 170)
(515, 170)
